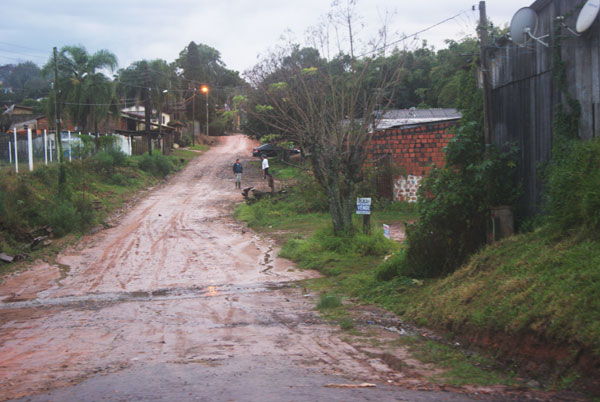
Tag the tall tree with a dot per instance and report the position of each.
(86, 92)
(27, 82)
(202, 64)
(326, 106)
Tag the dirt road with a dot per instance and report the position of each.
(179, 302)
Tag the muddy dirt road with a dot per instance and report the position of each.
(178, 302)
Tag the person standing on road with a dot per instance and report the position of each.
(265, 167)
(238, 169)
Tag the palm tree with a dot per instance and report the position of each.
(86, 92)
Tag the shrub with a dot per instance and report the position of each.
(185, 141)
(308, 195)
(376, 244)
(63, 217)
(328, 301)
(118, 179)
(573, 188)
(157, 165)
(388, 269)
(163, 165)
(119, 157)
(104, 162)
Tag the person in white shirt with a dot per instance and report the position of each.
(265, 167)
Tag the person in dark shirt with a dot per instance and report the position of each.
(237, 171)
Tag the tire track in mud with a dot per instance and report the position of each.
(175, 282)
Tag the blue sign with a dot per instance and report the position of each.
(363, 206)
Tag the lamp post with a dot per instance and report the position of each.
(160, 120)
(194, 117)
(205, 90)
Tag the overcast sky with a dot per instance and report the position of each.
(240, 30)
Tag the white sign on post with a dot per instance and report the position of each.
(363, 206)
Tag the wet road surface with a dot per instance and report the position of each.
(178, 301)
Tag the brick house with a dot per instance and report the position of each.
(413, 140)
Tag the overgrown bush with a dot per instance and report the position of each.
(157, 165)
(388, 269)
(454, 201)
(62, 217)
(118, 179)
(185, 141)
(106, 161)
(573, 188)
(328, 301)
(308, 195)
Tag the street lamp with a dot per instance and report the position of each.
(205, 90)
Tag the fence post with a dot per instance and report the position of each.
(9, 152)
(51, 148)
(70, 145)
(30, 149)
(45, 148)
(16, 151)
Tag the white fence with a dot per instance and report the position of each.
(25, 152)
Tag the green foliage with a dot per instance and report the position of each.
(62, 218)
(573, 188)
(119, 179)
(329, 301)
(388, 269)
(573, 174)
(157, 165)
(328, 252)
(270, 138)
(454, 200)
(104, 162)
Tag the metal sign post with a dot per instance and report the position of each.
(363, 207)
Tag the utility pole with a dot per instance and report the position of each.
(194, 115)
(57, 107)
(147, 108)
(483, 49)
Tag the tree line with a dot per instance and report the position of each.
(92, 87)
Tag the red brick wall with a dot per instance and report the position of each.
(415, 149)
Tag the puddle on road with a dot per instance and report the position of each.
(267, 261)
(93, 299)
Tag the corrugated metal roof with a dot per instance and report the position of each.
(403, 117)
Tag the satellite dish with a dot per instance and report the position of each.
(524, 26)
(588, 14)
(524, 21)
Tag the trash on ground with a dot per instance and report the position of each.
(363, 385)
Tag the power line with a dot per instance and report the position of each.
(405, 37)
(24, 47)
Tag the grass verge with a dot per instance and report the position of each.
(532, 300)
(31, 202)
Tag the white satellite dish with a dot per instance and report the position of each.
(588, 14)
(523, 26)
(525, 20)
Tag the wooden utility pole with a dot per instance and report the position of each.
(194, 115)
(147, 109)
(57, 107)
(483, 49)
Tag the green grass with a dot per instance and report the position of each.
(459, 368)
(198, 147)
(94, 188)
(533, 284)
